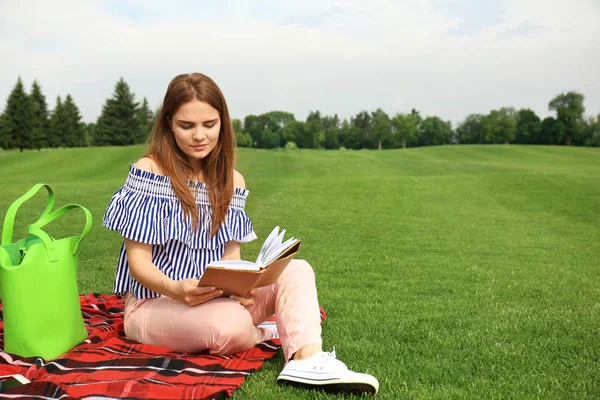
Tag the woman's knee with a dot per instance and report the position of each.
(299, 268)
(233, 331)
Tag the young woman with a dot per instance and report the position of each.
(182, 206)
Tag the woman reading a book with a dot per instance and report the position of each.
(181, 207)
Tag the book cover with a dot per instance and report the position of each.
(238, 277)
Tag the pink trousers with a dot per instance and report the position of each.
(224, 326)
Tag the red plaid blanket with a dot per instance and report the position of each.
(108, 365)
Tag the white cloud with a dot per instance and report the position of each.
(335, 56)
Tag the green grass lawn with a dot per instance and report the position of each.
(447, 272)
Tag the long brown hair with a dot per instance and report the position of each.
(217, 167)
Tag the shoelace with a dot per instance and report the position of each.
(328, 358)
(328, 355)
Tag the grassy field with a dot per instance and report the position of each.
(447, 272)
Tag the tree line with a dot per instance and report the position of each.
(26, 123)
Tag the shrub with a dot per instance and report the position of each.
(243, 139)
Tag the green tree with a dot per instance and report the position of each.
(305, 138)
(40, 121)
(4, 138)
(417, 115)
(569, 110)
(349, 136)
(237, 126)
(331, 122)
(313, 135)
(502, 125)
(293, 132)
(271, 139)
(553, 131)
(472, 129)
(434, 132)
(243, 139)
(118, 124)
(331, 138)
(145, 118)
(277, 120)
(18, 117)
(404, 128)
(382, 129)
(529, 127)
(255, 126)
(331, 126)
(58, 125)
(89, 133)
(592, 131)
(74, 129)
(362, 121)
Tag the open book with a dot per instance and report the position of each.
(239, 277)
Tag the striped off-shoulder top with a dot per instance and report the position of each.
(147, 210)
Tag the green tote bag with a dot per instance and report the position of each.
(38, 279)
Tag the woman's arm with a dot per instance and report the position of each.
(232, 251)
(143, 270)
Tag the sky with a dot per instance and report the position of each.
(449, 58)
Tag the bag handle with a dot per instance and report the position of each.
(4, 257)
(9, 219)
(35, 228)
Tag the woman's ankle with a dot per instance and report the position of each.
(307, 351)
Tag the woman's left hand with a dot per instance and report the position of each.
(246, 301)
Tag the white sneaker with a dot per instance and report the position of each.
(271, 327)
(324, 371)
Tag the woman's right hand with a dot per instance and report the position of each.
(187, 291)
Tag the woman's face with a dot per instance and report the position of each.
(196, 126)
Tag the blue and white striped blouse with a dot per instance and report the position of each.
(147, 210)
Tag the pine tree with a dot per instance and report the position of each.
(5, 142)
(17, 119)
(89, 133)
(118, 124)
(57, 125)
(74, 134)
(40, 122)
(145, 118)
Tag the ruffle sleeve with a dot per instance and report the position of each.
(238, 223)
(147, 210)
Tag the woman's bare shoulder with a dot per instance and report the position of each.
(238, 180)
(148, 164)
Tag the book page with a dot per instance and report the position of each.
(277, 250)
(235, 264)
(270, 250)
(267, 245)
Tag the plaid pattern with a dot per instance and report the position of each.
(108, 365)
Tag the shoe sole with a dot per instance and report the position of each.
(332, 387)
